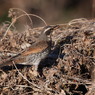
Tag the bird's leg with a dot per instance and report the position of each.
(35, 70)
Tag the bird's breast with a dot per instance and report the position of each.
(34, 59)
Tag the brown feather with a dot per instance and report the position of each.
(36, 48)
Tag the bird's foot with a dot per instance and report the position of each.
(34, 71)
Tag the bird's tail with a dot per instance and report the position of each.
(8, 61)
(5, 62)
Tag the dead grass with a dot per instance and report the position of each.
(69, 69)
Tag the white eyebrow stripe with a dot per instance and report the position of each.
(46, 30)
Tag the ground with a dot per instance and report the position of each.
(68, 70)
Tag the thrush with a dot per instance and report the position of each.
(36, 52)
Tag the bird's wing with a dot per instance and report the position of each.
(35, 48)
(20, 58)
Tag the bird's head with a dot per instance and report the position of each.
(49, 29)
(46, 32)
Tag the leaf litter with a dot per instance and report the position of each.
(69, 68)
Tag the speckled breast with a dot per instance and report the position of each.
(34, 59)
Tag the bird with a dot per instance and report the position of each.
(34, 54)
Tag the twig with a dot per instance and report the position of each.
(25, 13)
(25, 77)
(20, 17)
